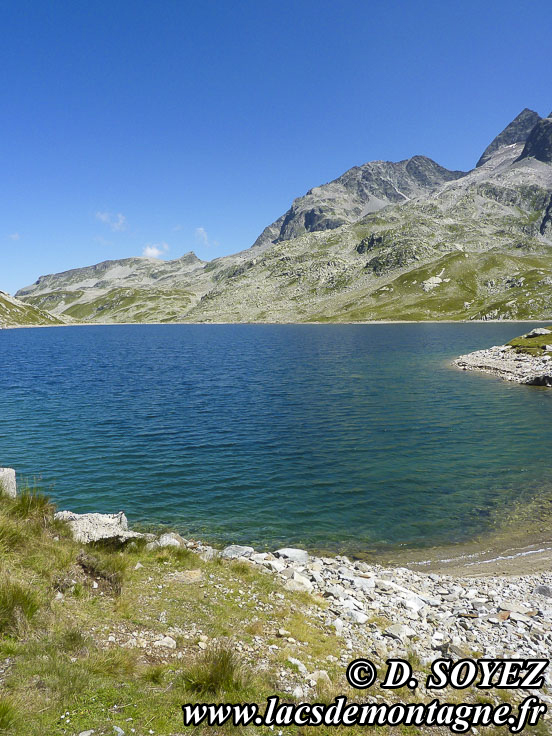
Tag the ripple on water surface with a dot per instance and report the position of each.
(332, 436)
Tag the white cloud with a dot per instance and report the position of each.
(154, 250)
(14, 236)
(203, 238)
(177, 228)
(116, 222)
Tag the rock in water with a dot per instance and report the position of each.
(8, 484)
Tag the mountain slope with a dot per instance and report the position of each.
(15, 313)
(406, 240)
(357, 192)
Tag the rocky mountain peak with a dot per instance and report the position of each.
(516, 132)
(361, 190)
(539, 142)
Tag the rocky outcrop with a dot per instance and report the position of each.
(539, 142)
(8, 483)
(504, 362)
(94, 527)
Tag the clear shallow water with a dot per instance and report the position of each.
(331, 436)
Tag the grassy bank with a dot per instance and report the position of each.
(104, 638)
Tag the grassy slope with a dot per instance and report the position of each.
(121, 305)
(478, 287)
(14, 313)
(64, 666)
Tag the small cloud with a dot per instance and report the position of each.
(14, 236)
(116, 222)
(154, 250)
(177, 228)
(203, 238)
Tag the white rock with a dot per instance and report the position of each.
(87, 528)
(293, 554)
(234, 551)
(275, 565)
(167, 642)
(300, 666)
(321, 677)
(8, 483)
(357, 617)
(399, 631)
(298, 586)
(259, 557)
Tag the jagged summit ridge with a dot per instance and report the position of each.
(356, 193)
(515, 132)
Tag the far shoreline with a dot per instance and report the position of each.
(265, 323)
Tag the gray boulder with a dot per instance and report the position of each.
(292, 554)
(170, 539)
(8, 484)
(233, 551)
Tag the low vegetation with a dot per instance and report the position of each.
(119, 638)
(537, 345)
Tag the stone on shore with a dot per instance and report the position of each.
(233, 551)
(170, 539)
(292, 554)
(87, 528)
(8, 483)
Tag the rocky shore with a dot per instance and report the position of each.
(507, 363)
(384, 612)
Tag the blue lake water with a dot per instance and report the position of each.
(330, 436)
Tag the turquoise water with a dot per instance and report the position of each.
(330, 436)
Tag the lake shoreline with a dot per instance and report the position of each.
(347, 322)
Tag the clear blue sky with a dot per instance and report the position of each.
(181, 125)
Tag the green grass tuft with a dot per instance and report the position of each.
(18, 604)
(8, 715)
(31, 504)
(216, 672)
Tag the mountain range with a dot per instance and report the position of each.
(407, 240)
